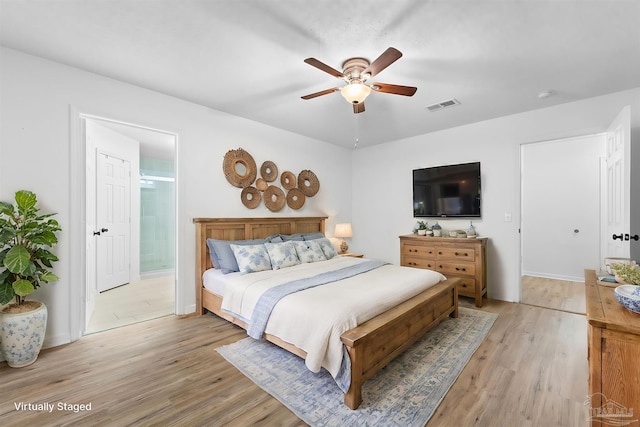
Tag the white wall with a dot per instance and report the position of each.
(561, 194)
(382, 190)
(37, 97)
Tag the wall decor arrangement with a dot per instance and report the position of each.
(241, 171)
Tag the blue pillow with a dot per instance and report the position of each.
(292, 237)
(312, 236)
(221, 251)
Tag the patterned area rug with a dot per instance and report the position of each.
(405, 393)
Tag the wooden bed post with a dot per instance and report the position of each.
(353, 396)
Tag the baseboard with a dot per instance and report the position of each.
(554, 276)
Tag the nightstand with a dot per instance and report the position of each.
(352, 255)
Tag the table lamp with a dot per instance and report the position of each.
(343, 231)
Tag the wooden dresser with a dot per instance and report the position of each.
(453, 257)
(614, 353)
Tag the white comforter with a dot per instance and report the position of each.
(314, 319)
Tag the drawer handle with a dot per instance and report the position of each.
(463, 254)
(439, 252)
(461, 269)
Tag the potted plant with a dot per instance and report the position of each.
(25, 263)
(421, 228)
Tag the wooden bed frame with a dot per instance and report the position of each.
(371, 345)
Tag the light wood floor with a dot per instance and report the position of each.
(134, 302)
(531, 370)
(555, 294)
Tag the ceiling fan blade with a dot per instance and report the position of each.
(324, 92)
(387, 58)
(358, 108)
(394, 89)
(324, 67)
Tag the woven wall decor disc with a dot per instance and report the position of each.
(274, 198)
(250, 197)
(239, 168)
(261, 184)
(288, 180)
(295, 198)
(269, 171)
(308, 183)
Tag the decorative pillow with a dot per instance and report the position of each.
(282, 254)
(274, 238)
(251, 258)
(292, 237)
(327, 247)
(222, 255)
(312, 236)
(309, 251)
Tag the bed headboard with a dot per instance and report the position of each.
(243, 229)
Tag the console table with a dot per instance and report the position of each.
(613, 338)
(454, 257)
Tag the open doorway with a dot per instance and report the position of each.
(560, 182)
(130, 222)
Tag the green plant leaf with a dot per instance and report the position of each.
(18, 259)
(45, 237)
(23, 287)
(45, 257)
(49, 277)
(25, 200)
(6, 234)
(6, 292)
(6, 208)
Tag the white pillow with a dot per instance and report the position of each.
(327, 247)
(251, 258)
(282, 254)
(309, 251)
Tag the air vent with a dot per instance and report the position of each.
(443, 104)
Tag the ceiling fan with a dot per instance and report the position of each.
(356, 72)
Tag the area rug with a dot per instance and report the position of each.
(405, 393)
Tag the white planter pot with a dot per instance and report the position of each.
(22, 335)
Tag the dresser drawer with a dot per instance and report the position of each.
(429, 264)
(456, 269)
(419, 251)
(457, 253)
(467, 287)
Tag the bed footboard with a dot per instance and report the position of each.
(375, 343)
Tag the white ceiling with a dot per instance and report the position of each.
(245, 57)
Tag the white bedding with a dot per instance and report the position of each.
(314, 319)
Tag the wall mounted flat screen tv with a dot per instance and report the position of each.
(447, 191)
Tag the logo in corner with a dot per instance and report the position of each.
(608, 412)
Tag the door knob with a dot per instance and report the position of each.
(96, 233)
(104, 230)
(635, 237)
(576, 231)
(619, 236)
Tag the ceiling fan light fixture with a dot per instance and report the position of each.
(355, 93)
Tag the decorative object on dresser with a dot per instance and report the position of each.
(370, 345)
(240, 170)
(453, 257)
(343, 231)
(613, 348)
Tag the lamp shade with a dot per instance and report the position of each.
(343, 230)
(355, 93)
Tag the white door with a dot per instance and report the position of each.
(113, 232)
(617, 211)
